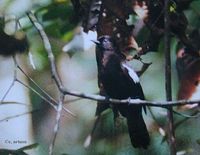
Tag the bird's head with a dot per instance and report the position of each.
(108, 51)
(105, 42)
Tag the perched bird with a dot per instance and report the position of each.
(188, 64)
(121, 82)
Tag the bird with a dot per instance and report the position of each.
(120, 81)
(188, 64)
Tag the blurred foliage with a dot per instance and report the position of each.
(18, 151)
(79, 73)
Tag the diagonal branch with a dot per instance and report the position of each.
(43, 91)
(37, 93)
(13, 81)
(48, 49)
(164, 104)
(54, 73)
(19, 115)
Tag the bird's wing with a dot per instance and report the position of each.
(131, 73)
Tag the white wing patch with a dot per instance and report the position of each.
(132, 73)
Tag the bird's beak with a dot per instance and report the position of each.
(96, 42)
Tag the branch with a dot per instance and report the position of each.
(19, 115)
(88, 139)
(163, 104)
(177, 124)
(54, 73)
(33, 90)
(13, 81)
(52, 100)
(168, 83)
(57, 124)
(13, 102)
(48, 49)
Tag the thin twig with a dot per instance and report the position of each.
(177, 124)
(56, 127)
(13, 81)
(8, 90)
(186, 115)
(171, 131)
(18, 115)
(33, 90)
(13, 102)
(88, 139)
(43, 91)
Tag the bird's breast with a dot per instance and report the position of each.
(117, 85)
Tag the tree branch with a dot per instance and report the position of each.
(37, 93)
(163, 104)
(18, 115)
(48, 49)
(54, 73)
(13, 81)
(171, 132)
(57, 124)
(52, 100)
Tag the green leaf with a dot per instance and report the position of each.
(29, 147)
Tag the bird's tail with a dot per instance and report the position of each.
(137, 129)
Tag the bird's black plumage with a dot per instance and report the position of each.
(121, 82)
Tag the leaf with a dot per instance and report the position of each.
(29, 147)
(11, 152)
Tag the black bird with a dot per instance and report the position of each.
(121, 82)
